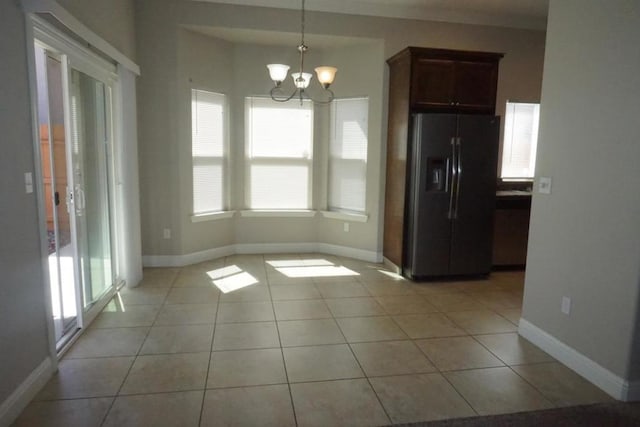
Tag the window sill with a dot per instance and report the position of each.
(343, 216)
(211, 216)
(303, 213)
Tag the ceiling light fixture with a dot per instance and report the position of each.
(278, 73)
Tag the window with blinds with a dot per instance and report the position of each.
(208, 150)
(520, 140)
(348, 154)
(279, 151)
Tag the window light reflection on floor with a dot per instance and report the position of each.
(317, 271)
(231, 278)
(219, 273)
(279, 263)
(391, 274)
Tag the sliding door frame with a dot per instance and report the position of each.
(74, 55)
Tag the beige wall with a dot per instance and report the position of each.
(23, 323)
(165, 174)
(585, 236)
(112, 20)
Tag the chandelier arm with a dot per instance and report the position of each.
(328, 101)
(281, 99)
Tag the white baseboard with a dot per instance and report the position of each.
(187, 259)
(25, 392)
(600, 376)
(346, 251)
(258, 248)
(274, 248)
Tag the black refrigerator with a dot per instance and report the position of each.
(451, 192)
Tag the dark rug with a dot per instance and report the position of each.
(616, 414)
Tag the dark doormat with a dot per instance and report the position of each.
(615, 414)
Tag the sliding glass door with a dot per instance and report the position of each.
(90, 121)
(75, 125)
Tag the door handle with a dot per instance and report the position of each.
(80, 201)
(458, 175)
(454, 173)
(56, 198)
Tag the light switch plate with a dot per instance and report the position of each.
(28, 182)
(544, 185)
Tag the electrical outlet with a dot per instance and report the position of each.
(346, 227)
(544, 185)
(565, 307)
(166, 233)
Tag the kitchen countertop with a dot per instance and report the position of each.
(513, 194)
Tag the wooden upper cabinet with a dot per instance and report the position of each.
(475, 86)
(451, 81)
(432, 83)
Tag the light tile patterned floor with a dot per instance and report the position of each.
(303, 339)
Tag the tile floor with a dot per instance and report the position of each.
(309, 340)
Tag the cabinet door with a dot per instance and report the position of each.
(432, 83)
(475, 86)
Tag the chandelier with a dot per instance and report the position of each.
(278, 73)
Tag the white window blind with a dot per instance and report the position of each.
(279, 154)
(520, 140)
(208, 150)
(348, 154)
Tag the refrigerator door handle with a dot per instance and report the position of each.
(454, 174)
(458, 175)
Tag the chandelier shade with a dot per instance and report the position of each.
(302, 80)
(278, 72)
(326, 75)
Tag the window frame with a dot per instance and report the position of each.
(508, 142)
(223, 161)
(330, 157)
(250, 161)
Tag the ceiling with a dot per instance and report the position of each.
(528, 14)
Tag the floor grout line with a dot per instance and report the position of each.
(210, 362)
(317, 285)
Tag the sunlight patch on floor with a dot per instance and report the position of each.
(231, 278)
(391, 274)
(317, 271)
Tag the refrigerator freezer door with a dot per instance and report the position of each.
(428, 233)
(472, 228)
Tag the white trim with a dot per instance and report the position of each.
(259, 248)
(600, 376)
(345, 251)
(303, 213)
(187, 259)
(345, 216)
(39, 187)
(78, 56)
(212, 216)
(25, 392)
(77, 27)
(275, 248)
